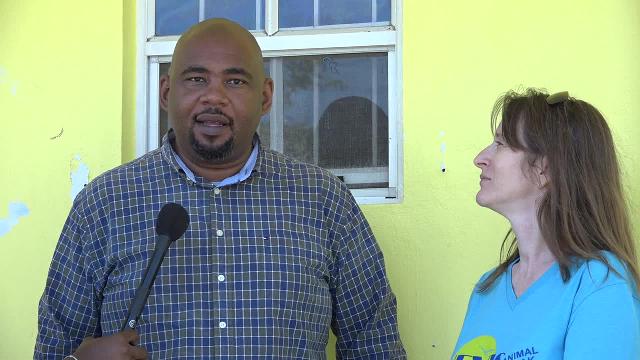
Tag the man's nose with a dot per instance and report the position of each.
(214, 94)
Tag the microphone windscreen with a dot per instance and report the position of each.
(172, 221)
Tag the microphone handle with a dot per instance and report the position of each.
(142, 292)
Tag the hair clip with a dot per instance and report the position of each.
(558, 97)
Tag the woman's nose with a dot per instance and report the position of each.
(481, 159)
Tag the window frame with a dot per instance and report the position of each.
(327, 40)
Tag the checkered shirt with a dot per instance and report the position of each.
(267, 266)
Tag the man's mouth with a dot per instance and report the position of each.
(212, 120)
(211, 124)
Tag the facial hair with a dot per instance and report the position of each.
(206, 152)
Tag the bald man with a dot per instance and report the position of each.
(277, 252)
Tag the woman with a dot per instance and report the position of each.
(566, 286)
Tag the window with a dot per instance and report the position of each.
(336, 69)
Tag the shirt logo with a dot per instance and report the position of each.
(480, 348)
(484, 348)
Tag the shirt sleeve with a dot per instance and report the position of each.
(605, 326)
(68, 309)
(364, 307)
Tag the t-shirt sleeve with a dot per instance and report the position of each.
(604, 325)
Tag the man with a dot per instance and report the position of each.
(276, 253)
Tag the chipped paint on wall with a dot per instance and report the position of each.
(443, 152)
(12, 85)
(16, 211)
(79, 176)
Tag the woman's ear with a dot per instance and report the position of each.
(541, 169)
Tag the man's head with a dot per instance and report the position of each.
(215, 92)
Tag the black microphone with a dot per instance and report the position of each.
(172, 222)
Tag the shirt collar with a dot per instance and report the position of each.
(240, 176)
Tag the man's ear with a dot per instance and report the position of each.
(164, 92)
(267, 95)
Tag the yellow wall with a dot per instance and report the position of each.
(70, 65)
(60, 69)
(458, 57)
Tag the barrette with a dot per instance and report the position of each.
(558, 97)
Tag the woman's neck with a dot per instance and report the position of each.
(535, 255)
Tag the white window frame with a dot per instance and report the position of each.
(152, 50)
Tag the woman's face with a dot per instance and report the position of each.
(507, 184)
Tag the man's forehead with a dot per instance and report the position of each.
(205, 46)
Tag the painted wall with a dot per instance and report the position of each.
(61, 115)
(459, 55)
(68, 71)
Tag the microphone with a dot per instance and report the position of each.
(172, 222)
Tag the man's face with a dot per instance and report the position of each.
(215, 95)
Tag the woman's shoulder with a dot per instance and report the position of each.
(596, 274)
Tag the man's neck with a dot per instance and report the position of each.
(214, 170)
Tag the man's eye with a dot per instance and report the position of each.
(196, 79)
(499, 143)
(236, 82)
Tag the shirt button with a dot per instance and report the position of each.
(221, 277)
(219, 232)
(222, 324)
(216, 191)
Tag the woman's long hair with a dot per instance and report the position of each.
(583, 211)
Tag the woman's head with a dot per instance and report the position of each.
(567, 150)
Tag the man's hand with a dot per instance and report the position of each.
(113, 347)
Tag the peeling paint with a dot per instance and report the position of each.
(79, 176)
(443, 152)
(16, 211)
(11, 84)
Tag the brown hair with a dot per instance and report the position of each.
(583, 211)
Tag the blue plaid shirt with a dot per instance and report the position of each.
(265, 268)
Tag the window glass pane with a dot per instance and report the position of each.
(300, 13)
(335, 114)
(173, 17)
(298, 107)
(241, 11)
(344, 12)
(383, 10)
(295, 13)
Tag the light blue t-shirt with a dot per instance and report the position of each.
(592, 316)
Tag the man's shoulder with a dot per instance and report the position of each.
(297, 169)
(119, 178)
